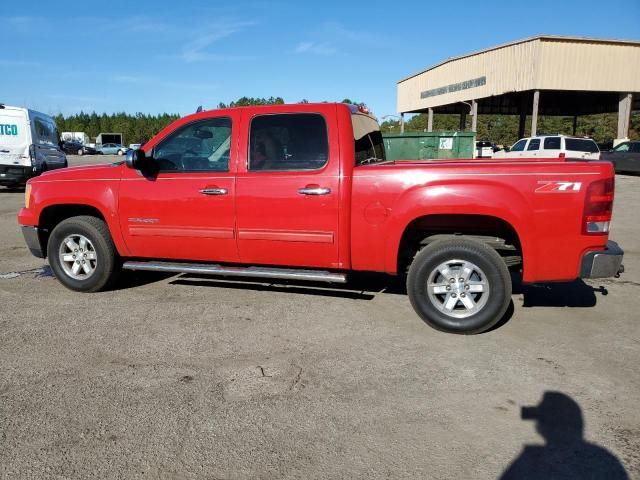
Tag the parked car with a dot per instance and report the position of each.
(135, 146)
(484, 149)
(112, 149)
(304, 192)
(77, 148)
(28, 145)
(625, 157)
(552, 146)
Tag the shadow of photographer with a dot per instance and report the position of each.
(565, 454)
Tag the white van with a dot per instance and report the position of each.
(28, 145)
(553, 146)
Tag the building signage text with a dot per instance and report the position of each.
(455, 87)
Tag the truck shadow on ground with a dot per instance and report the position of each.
(565, 453)
(366, 286)
(567, 294)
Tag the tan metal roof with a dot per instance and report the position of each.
(544, 62)
(524, 40)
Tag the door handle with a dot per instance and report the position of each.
(213, 191)
(314, 190)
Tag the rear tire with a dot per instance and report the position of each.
(82, 254)
(459, 286)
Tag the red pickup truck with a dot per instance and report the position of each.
(304, 192)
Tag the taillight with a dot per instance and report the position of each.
(598, 206)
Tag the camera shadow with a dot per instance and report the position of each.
(565, 454)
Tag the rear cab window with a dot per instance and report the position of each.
(288, 142)
(369, 145)
(581, 145)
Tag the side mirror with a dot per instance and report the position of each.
(136, 159)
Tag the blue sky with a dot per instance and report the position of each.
(158, 56)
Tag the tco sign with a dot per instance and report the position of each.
(8, 129)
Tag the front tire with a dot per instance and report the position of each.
(82, 254)
(120, 152)
(459, 286)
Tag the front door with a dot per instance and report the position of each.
(288, 191)
(186, 209)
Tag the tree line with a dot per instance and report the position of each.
(137, 128)
(500, 129)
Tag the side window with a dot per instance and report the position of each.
(197, 147)
(46, 132)
(552, 143)
(291, 141)
(519, 145)
(623, 147)
(635, 147)
(534, 144)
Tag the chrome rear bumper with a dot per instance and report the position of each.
(603, 263)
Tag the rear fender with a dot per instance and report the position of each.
(462, 197)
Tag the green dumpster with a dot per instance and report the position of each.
(429, 145)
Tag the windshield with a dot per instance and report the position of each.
(368, 140)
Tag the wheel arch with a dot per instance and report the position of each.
(493, 230)
(52, 215)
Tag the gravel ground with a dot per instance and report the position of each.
(184, 377)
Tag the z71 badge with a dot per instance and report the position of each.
(552, 187)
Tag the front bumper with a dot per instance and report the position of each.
(32, 238)
(14, 174)
(603, 263)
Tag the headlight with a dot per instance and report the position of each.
(27, 196)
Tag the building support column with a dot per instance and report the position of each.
(474, 118)
(463, 120)
(430, 120)
(402, 123)
(534, 113)
(575, 125)
(624, 114)
(523, 115)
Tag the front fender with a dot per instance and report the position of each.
(101, 195)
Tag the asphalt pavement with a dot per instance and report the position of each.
(190, 377)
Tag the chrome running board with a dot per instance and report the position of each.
(252, 272)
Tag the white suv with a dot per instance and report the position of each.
(552, 146)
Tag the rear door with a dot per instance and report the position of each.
(551, 147)
(288, 189)
(14, 138)
(186, 209)
(533, 147)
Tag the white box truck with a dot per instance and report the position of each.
(28, 145)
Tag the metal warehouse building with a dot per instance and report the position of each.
(545, 75)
